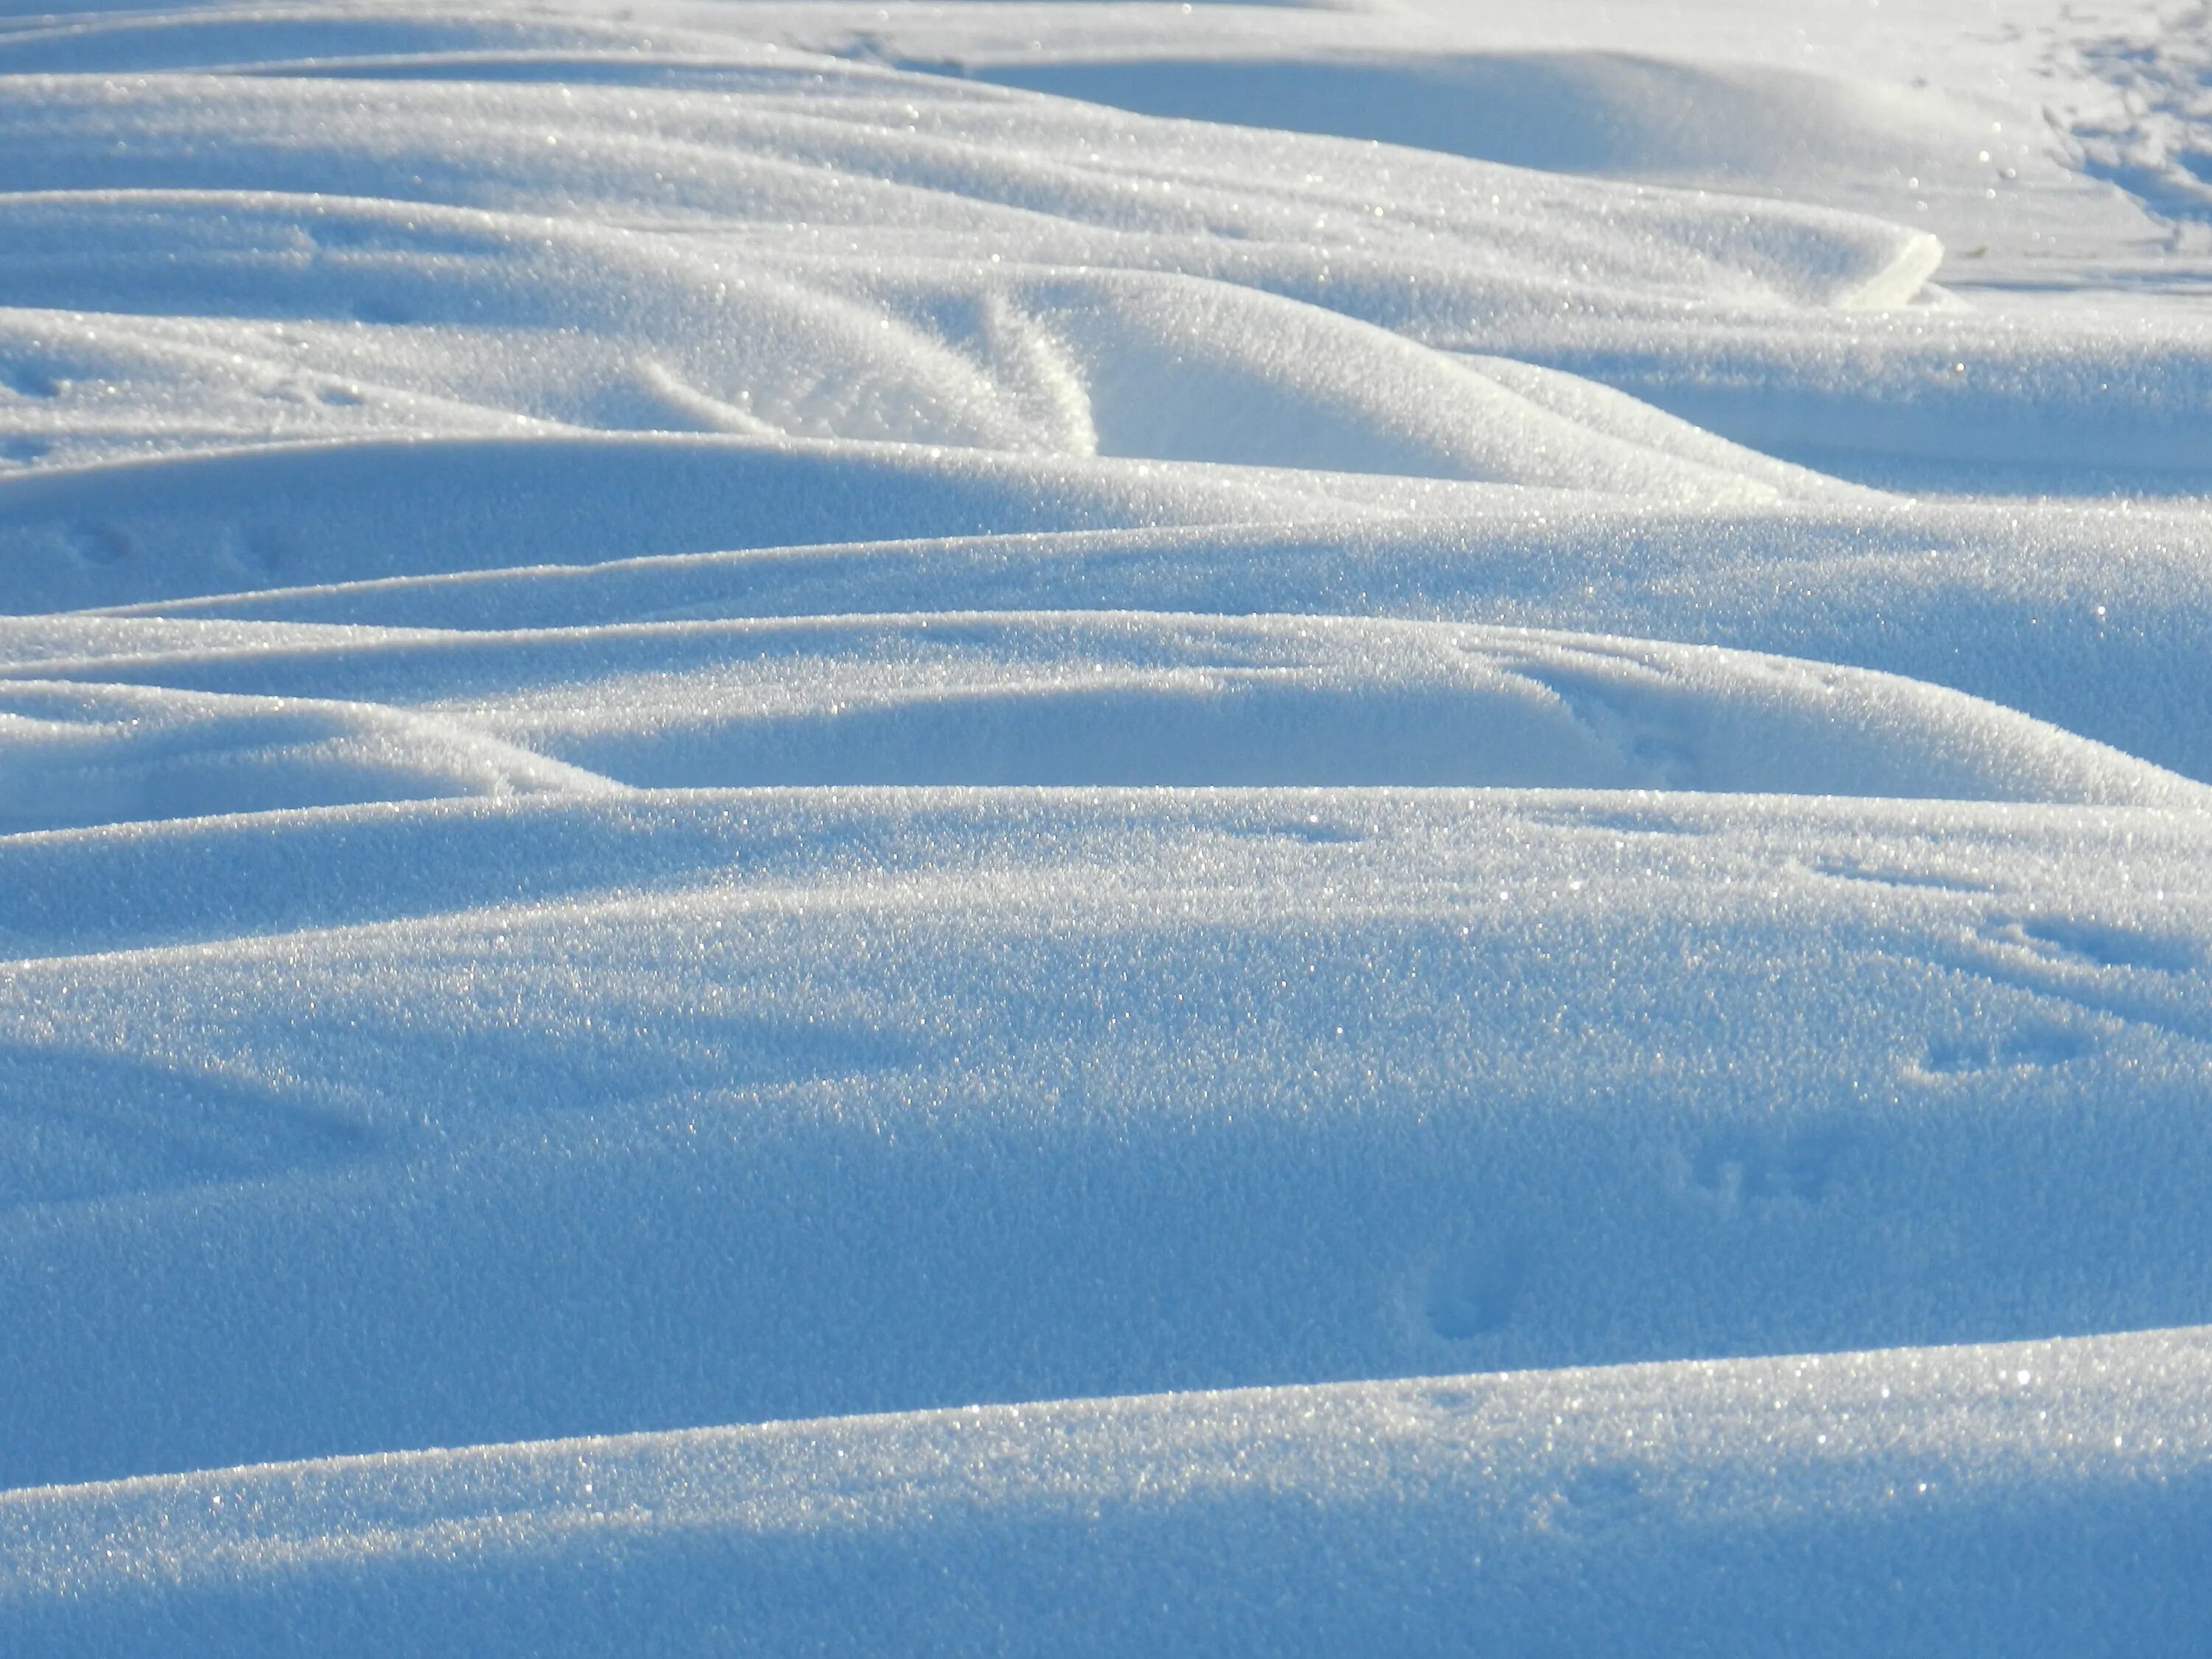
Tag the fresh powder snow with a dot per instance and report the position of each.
(1040, 827)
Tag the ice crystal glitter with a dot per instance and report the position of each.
(1061, 829)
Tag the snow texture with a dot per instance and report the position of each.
(1110, 827)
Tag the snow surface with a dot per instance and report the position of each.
(1105, 828)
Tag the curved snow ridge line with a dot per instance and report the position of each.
(434, 39)
(546, 319)
(398, 43)
(80, 637)
(541, 321)
(229, 38)
(834, 1102)
(1180, 367)
(2022, 1492)
(1939, 400)
(1023, 171)
(181, 527)
(1090, 697)
(2093, 618)
(153, 885)
(73, 754)
(1758, 129)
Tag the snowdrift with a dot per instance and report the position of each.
(1101, 829)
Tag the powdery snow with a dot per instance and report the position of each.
(2020, 1496)
(1107, 828)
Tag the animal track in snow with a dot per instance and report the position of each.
(98, 543)
(1588, 1502)
(258, 548)
(1653, 741)
(2015, 1051)
(2154, 139)
(1472, 1291)
(1597, 1499)
(1738, 1169)
(1453, 1401)
(2096, 944)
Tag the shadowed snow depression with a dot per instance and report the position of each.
(1109, 827)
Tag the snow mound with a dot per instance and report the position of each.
(731, 1106)
(2018, 1495)
(355, 315)
(1142, 698)
(1749, 129)
(180, 526)
(2092, 619)
(73, 754)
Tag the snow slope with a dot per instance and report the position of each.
(1956, 1498)
(1104, 828)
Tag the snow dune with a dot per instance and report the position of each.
(1023, 698)
(1547, 1508)
(685, 1109)
(2092, 619)
(75, 755)
(1101, 827)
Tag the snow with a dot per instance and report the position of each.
(1980, 1496)
(1104, 828)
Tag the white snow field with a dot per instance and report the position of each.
(1105, 828)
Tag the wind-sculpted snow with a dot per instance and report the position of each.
(2092, 619)
(77, 754)
(733, 1107)
(804, 166)
(1027, 698)
(1101, 827)
(1136, 364)
(1536, 1510)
